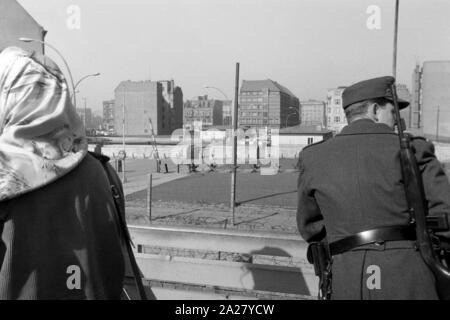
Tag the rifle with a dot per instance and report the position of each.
(431, 252)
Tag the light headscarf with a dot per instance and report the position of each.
(41, 136)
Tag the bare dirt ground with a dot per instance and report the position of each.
(265, 203)
(260, 218)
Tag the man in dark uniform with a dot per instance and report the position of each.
(353, 183)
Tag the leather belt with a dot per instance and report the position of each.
(380, 235)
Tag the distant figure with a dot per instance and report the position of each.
(193, 167)
(98, 148)
(58, 234)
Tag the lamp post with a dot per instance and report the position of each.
(23, 39)
(211, 87)
(223, 93)
(124, 178)
(84, 118)
(79, 81)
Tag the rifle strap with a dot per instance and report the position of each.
(119, 218)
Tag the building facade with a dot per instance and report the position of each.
(16, 22)
(207, 111)
(173, 95)
(312, 112)
(403, 93)
(266, 103)
(416, 93)
(86, 117)
(430, 100)
(108, 116)
(435, 99)
(303, 135)
(227, 112)
(136, 102)
(335, 116)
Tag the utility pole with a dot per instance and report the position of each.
(235, 125)
(394, 60)
(84, 118)
(124, 179)
(155, 146)
(437, 124)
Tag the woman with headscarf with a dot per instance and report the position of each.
(59, 238)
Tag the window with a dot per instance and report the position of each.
(337, 101)
(310, 140)
(337, 119)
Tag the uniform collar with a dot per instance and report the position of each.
(365, 126)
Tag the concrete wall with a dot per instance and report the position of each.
(290, 151)
(295, 140)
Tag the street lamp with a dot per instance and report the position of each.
(211, 87)
(79, 81)
(23, 39)
(215, 88)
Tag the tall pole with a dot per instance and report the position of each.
(394, 60)
(84, 118)
(437, 124)
(235, 125)
(78, 83)
(123, 136)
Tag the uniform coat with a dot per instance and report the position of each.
(69, 222)
(352, 183)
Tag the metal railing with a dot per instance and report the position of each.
(223, 263)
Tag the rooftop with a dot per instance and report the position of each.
(258, 85)
(305, 129)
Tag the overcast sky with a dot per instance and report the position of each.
(306, 45)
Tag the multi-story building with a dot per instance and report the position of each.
(207, 111)
(335, 116)
(435, 99)
(312, 112)
(139, 101)
(266, 103)
(415, 111)
(173, 95)
(97, 122)
(227, 108)
(16, 22)
(430, 100)
(403, 93)
(108, 115)
(86, 117)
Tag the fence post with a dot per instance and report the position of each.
(149, 197)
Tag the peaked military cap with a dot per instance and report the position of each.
(371, 89)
